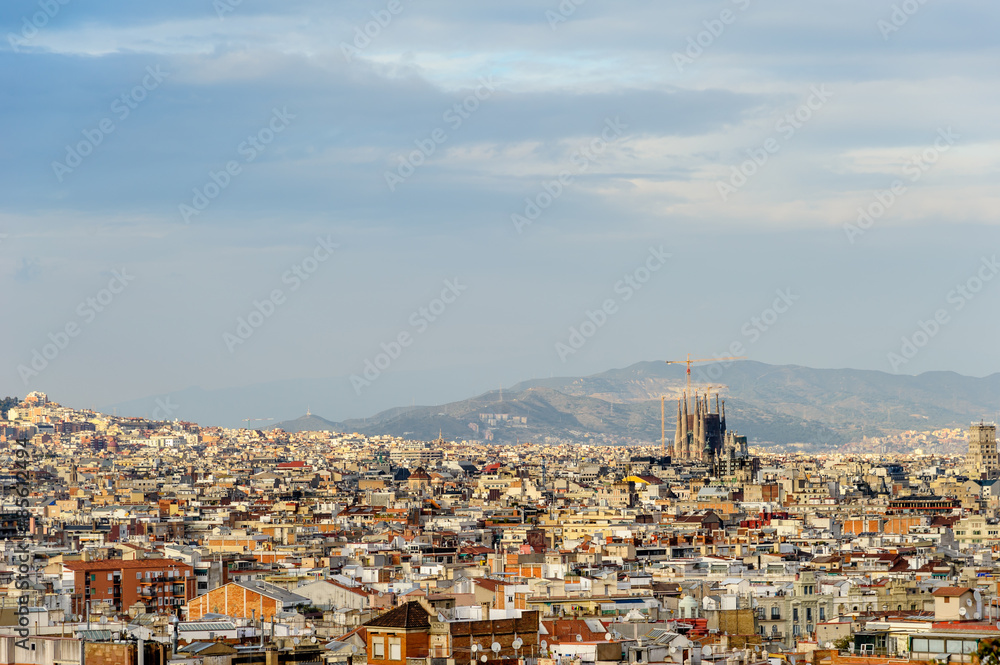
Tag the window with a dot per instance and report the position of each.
(809, 615)
(378, 648)
(394, 649)
(109, 577)
(795, 614)
(138, 576)
(822, 614)
(775, 613)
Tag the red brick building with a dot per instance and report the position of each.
(159, 584)
(413, 630)
(399, 634)
(245, 600)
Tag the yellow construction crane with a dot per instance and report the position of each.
(700, 360)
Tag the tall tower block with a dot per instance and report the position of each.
(982, 461)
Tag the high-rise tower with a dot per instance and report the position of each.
(981, 461)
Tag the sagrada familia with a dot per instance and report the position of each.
(701, 434)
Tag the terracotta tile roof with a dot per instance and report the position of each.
(118, 564)
(408, 615)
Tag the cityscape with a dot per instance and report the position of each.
(320, 546)
(524, 332)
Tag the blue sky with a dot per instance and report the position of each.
(836, 102)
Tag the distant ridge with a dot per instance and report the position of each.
(307, 423)
(772, 404)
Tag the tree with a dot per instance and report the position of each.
(988, 653)
(6, 404)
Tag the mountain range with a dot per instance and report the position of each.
(775, 405)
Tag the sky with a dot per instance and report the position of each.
(420, 201)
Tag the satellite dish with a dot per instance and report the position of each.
(104, 621)
(517, 643)
(545, 645)
(440, 617)
(607, 636)
(706, 651)
(475, 648)
(296, 641)
(977, 616)
(381, 593)
(829, 645)
(496, 647)
(963, 611)
(673, 649)
(483, 658)
(313, 640)
(579, 637)
(968, 601)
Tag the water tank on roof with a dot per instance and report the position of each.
(688, 608)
